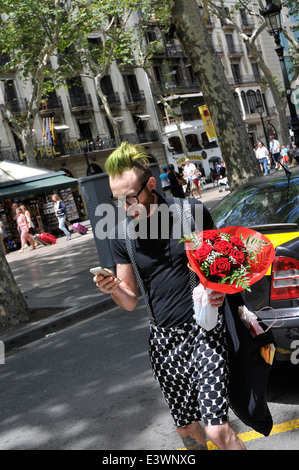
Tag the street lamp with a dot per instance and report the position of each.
(260, 109)
(83, 145)
(271, 13)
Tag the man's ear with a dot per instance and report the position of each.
(152, 183)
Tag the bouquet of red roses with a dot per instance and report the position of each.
(227, 260)
(230, 259)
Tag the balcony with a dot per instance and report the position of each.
(184, 86)
(73, 148)
(247, 24)
(17, 105)
(80, 103)
(187, 86)
(112, 98)
(134, 98)
(51, 106)
(209, 24)
(227, 27)
(141, 137)
(243, 80)
(174, 51)
(235, 52)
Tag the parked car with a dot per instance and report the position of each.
(270, 205)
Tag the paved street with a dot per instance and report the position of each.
(90, 387)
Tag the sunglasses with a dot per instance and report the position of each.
(129, 200)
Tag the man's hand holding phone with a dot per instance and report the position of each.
(105, 279)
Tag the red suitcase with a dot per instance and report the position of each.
(48, 238)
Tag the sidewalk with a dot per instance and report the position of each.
(57, 277)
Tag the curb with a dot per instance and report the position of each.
(55, 323)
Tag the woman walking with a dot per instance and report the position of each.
(60, 214)
(24, 229)
(27, 214)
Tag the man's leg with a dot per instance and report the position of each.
(224, 437)
(193, 436)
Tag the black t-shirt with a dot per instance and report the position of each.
(162, 262)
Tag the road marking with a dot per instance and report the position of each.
(250, 435)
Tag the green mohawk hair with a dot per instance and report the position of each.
(126, 157)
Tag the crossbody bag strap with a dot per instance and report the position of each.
(129, 247)
(183, 208)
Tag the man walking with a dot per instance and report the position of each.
(189, 362)
(262, 155)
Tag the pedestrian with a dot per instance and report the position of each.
(198, 181)
(28, 219)
(3, 235)
(165, 183)
(176, 182)
(275, 151)
(180, 350)
(284, 155)
(262, 155)
(191, 178)
(23, 227)
(60, 214)
(291, 153)
(215, 173)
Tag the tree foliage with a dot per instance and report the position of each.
(31, 32)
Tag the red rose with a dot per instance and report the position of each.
(223, 246)
(202, 252)
(210, 235)
(220, 267)
(237, 242)
(238, 256)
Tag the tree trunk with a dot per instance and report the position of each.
(108, 111)
(28, 147)
(233, 139)
(13, 308)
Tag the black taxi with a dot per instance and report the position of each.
(270, 205)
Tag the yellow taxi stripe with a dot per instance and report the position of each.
(278, 239)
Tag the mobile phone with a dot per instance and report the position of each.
(102, 271)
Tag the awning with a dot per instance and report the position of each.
(37, 187)
(61, 128)
(18, 180)
(143, 117)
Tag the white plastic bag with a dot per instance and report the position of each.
(251, 321)
(205, 315)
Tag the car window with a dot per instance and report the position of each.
(274, 203)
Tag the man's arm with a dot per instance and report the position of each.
(123, 288)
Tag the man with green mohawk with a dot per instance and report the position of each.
(189, 362)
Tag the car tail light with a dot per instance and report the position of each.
(285, 278)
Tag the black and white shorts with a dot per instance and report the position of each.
(190, 364)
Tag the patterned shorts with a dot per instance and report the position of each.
(190, 364)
